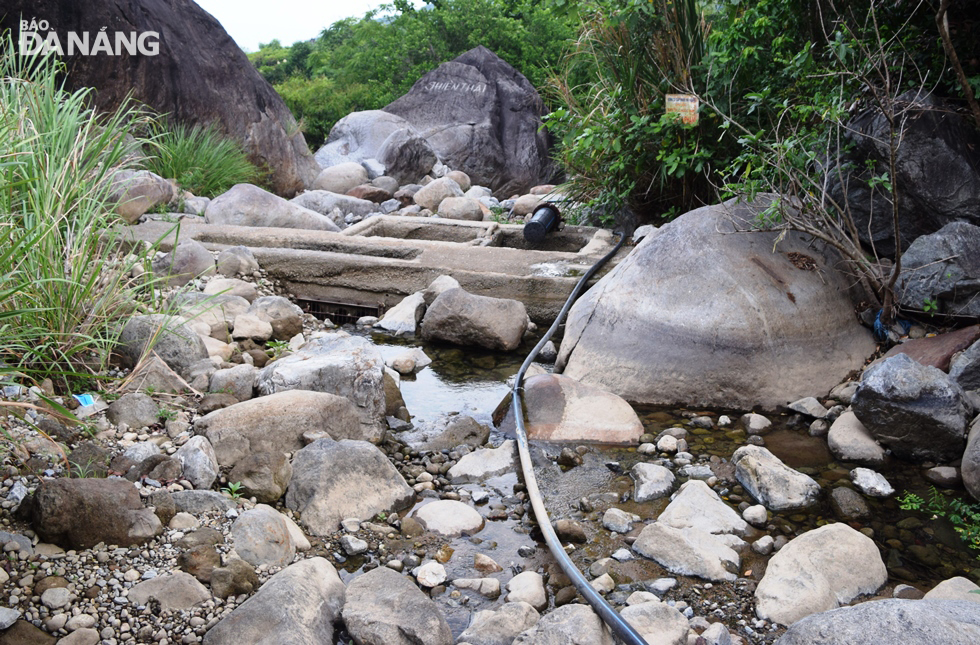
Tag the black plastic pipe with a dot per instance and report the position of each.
(620, 628)
(544, 220)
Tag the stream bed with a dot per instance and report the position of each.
(918, 549)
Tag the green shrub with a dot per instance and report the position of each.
(201, 159)
(618, 145)
(64, 279)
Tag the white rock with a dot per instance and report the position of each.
(871, 483)
(450, 518)
(431, 574)
(528, 587)
(818, 571)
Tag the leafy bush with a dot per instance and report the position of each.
(202, 160)
(64, 279)
(618, 145)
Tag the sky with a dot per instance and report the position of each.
(251, 22)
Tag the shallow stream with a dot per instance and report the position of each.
(918, 549)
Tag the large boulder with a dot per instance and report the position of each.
(462, 318)
(569, 625)
(80, 513)
(688, 551)
(324, 202)
(335, 480)
(407, 156)
(481, 116)
(819, 570)
(771, 482)
(248, 205)
(133, 192)
(276, 423)
(943, 270)
(935, 170)
(742, 326)
(558, 408)
(893, 621)
(697, 506)
(218, 312)
(208, 78)
(188, 260)
(915, 410)
(970, 467)
(300, 604)
(386, 607)
(358, 136)
(348, 366)
(169, 337)
(964, 368)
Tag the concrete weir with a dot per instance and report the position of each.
(382, 259)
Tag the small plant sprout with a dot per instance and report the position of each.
(233, 490)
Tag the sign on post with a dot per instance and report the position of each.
(686, 105)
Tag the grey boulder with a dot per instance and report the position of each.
(567, 625)
(819, 570)
(199, 465)
(276, 423)
(500, 627)
(325, 201)
(697, 506)
(481, 116)
(80, 513)
(915, 410)
(893, 621)
(135, 410)
(970, 466)
(261, 537)
(711, 330)
(463, 318)
(340, 364)
(300, 604)
(169, 337)
(133, 192)
(688, 551)
(935, 165)
(336, 480)
(559, 408)
(943, 269)
(771, 482)
(248, 205)
(188, 260)
(386, 607)
(849, 440)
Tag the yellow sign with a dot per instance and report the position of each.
(686, 105)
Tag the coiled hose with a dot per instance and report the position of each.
(620, 628)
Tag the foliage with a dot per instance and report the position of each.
(233, 490)
(618, 145)
(64, 279)
(201, 159)
(277, 349)
(368, 63)
(964, 516)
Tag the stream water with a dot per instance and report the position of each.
(918, 549)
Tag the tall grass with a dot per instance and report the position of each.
(64, 276)
(619, 147)
(202, 159)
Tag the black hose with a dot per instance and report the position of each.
(622, 630)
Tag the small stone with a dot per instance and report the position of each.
(56, 597)
(431, 574)
(353, 545)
